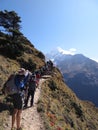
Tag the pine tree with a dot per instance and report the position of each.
(10, 22)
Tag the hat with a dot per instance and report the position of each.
(21, 71)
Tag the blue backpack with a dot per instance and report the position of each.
(14, 85)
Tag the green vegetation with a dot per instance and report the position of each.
(9, 22)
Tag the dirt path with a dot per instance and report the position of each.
(30, 117)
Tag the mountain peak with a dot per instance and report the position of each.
(66, 52)
(58, 52)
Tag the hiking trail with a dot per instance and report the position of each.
(30, 117)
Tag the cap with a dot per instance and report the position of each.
(21, 71)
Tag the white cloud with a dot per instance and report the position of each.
(70, 51)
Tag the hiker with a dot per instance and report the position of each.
(17, 82)
(49, 66)
(38, 76)
(31, 91)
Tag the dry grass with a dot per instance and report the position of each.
(62, 110)
(59, 107)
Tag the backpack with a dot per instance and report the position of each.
(13, 85)
(9, 87)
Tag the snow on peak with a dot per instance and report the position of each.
(71, 51)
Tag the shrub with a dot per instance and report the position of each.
(41, 55)
(52, 85)
(11, 50)
(27, 65)
(78, 110)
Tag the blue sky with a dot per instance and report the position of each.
(66, 24)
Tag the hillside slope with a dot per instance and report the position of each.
(62, 110)
(58, 106)
(14, 55)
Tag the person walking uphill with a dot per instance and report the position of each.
(17, 82)
(31, 91)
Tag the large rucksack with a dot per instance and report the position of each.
(13, 85)
(9, 86)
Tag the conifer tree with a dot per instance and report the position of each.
(10, 22)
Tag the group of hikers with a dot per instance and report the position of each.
(20, 86)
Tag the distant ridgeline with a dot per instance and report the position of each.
(80, 74)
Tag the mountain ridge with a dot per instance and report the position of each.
(80, 74)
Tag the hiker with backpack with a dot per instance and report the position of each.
(15, 87)
(38, 76)
(31, 90)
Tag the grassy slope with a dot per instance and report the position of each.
(58, 105)
(62, 110)
(8, 66)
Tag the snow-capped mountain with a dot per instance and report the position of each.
(80, 73)
(58, 54)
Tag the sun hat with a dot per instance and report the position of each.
(21, 71)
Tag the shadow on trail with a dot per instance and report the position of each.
(6, 106)
(3, 107)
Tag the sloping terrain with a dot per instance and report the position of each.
(61, 109)
(58, 106)
(30, 58)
